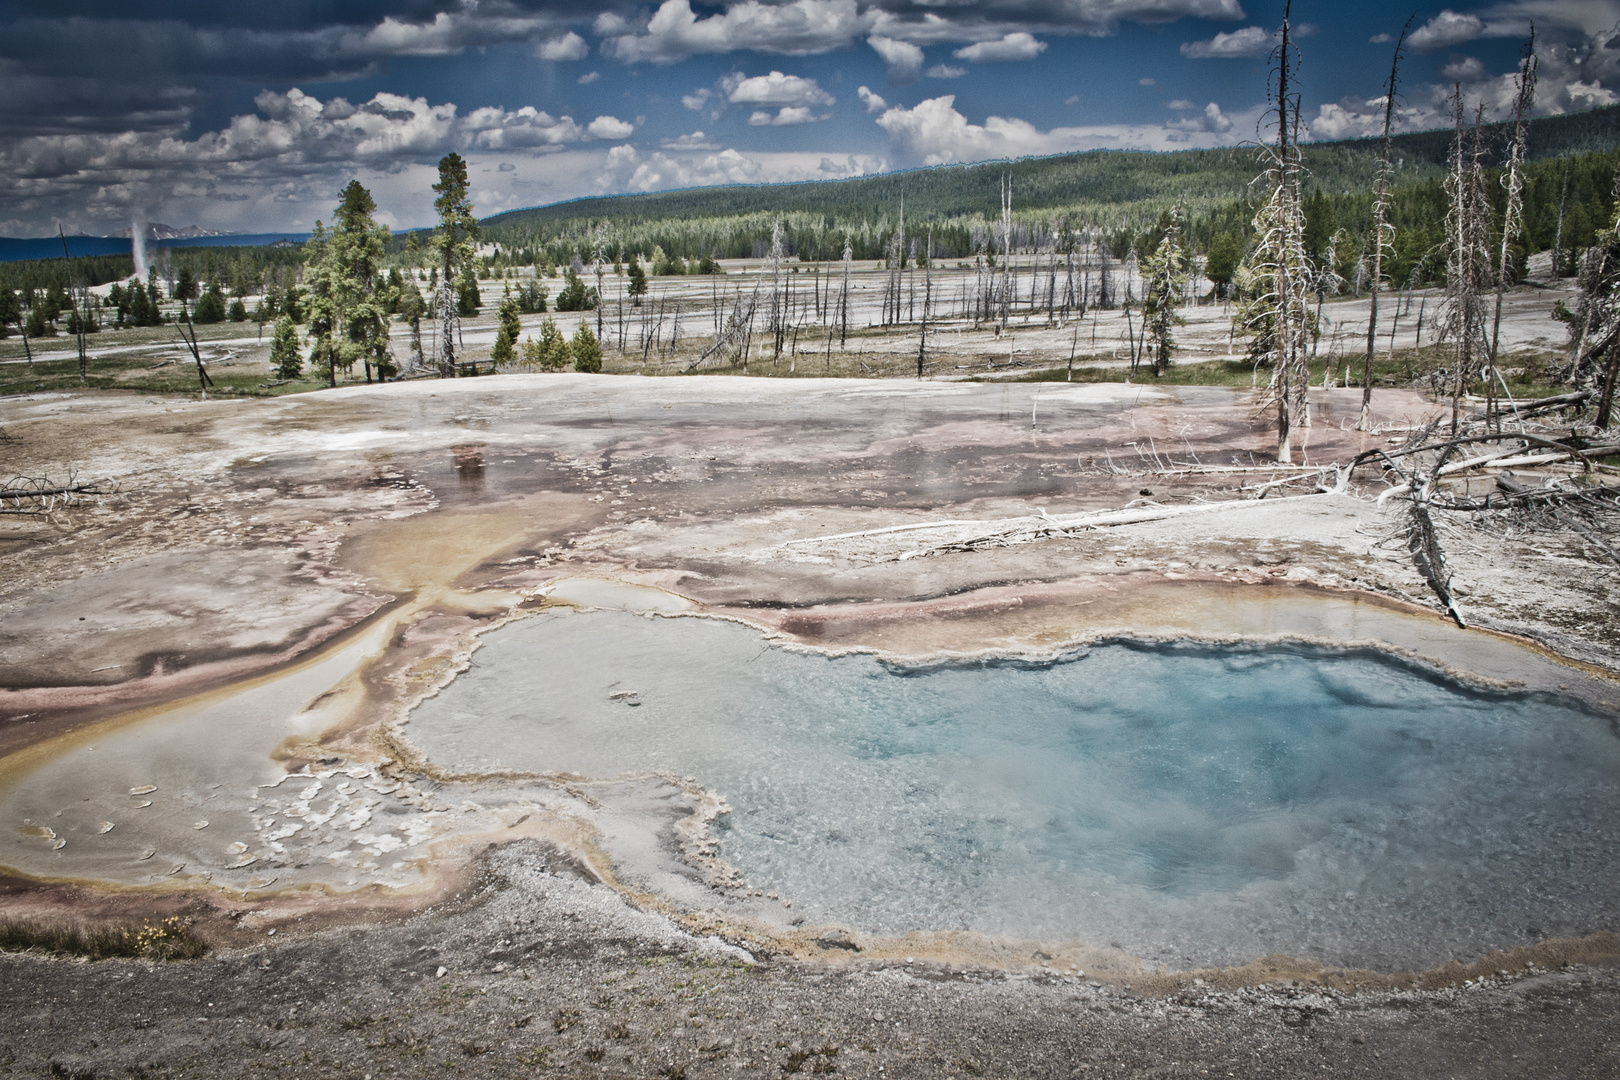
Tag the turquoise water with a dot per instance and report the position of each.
(1189, 804)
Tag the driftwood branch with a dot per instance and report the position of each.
(31, 496)
(968, 535)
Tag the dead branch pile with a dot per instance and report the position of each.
(39, 496)
(1469, 473)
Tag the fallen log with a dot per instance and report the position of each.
(980, 533)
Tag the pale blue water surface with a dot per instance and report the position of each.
(1190, 804)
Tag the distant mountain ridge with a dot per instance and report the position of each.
(1092, 178)
(16, 249)
(156, 230)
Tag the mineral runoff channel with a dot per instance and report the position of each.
(320, 781)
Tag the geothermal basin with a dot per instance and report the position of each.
(1191, 804)
(328, 651)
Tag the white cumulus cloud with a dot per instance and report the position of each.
(1248, 42)
(786, 116)
(1446, 30)
(1464, 69)
(902, 58)
(568, 47)
(626, 170)
(610, 127)
(799, 28)
(774, 89)
(874, 102)
(695, 140)
(946, 71)
(934, 133)
(1015, 46)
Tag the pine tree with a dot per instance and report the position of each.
(1165, 272)
(211, 307)
(505, 351)
(452, 245)
(1221, 262)
(284, 350)
(10, 310)
(551, 352)
(637, 287)
(357, 297)
(321, 311)
(587, 349)
(575, 294)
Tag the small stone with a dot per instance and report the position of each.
(441, 973)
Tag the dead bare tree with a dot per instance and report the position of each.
(184, 325)
(1468, 259)
(76, 294)
(1595, 356)
(777, 318)
(1005, 298)
(1383, 233)
(843, 294)
(1513, 181)
(928, 296)
(1278, 271)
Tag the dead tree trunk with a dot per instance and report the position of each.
(1513, 212)
(1382, 234)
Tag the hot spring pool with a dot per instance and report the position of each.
(1190, 804)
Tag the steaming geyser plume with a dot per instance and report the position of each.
(137, 240)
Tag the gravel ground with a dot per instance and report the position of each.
(535, 971)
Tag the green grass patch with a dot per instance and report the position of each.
(143, 375)
(166, 939)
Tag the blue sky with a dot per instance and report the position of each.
(251, 118)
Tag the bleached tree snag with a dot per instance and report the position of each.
(1275, 280)
(1606, 399)
(190, 339)
(1382, 232)
(1513, 181)
(1423, 543)
(1598, 306)
(928, 296)
(79, 314)
(843, 294)
(1468, 259)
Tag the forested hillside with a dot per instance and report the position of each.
(1102, 193)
